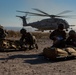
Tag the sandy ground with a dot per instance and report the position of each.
(30, 63)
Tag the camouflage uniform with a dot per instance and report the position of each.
(26, 38)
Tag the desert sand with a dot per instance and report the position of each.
(29, 62)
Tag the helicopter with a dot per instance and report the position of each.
(46, 24)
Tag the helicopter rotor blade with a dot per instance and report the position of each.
(39, 15)
(32, 13)
(69, 16)
(21, 11)
(67, 11)
(18, 16)
(47, 15)
(41, 11)
(52, 15)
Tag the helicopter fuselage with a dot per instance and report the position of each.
(49, 24)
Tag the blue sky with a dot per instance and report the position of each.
(8, 10)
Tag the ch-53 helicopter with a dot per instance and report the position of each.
(46, 24)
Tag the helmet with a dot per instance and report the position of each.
(72, 32)
(23, 31)
(60, 26)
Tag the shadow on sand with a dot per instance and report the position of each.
(40, 60)
(12, 50)
(36, 59)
